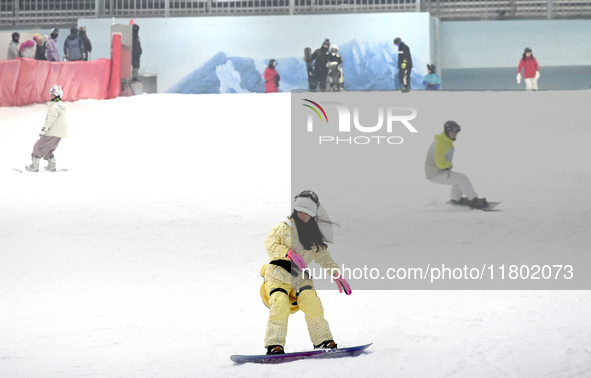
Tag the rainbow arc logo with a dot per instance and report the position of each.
(316, 111)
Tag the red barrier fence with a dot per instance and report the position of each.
(26, 81)
(115, 84)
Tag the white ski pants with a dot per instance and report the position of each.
(531, 84)
(460, 183)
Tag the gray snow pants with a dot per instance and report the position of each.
(45, 146)
(460, 184)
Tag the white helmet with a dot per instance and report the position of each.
(334, 48)
(56, 90)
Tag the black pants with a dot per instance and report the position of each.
(405, 78)
(312, 82)
(319, 81)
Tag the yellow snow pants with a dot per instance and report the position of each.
(281, 305)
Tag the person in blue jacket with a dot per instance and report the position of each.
(432, 82)
(73, 46)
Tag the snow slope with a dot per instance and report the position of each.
(142, 260)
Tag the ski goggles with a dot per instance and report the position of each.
(309, 194)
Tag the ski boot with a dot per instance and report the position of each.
(34, 166)
(51, 166)
(328, 344)
(462, 202)
(275, 349)
(478, 203)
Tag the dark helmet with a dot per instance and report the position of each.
(431, 67)
(527, 50)
(451, 127)
(397, 41)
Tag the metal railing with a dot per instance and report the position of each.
(173, 8)
(50, 13)
(507, 9)
(29, 13)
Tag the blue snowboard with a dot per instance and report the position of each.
(287, 357)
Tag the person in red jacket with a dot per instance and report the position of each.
(531, 70)
(271, 78)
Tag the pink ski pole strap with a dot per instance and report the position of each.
(343, 285)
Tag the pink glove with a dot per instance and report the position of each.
(342, 284)
(297, 259)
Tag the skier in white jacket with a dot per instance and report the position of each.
(54, 129)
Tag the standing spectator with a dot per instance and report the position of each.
(27, 49)
(13, 46)
(320, 59)
(531, 70)
(335, 69)
(41, 49)
(87, 44)
(73, 46)
(136, 51)
(54, 129)
(53, 54)
(404, 64)
(432, 82)
(271, 78)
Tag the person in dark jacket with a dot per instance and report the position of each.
(320, 59)
(73, 46)
(404, 64)
(87, 44)
(136, 51)
(41, 49)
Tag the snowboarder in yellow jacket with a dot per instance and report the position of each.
(438, 167)
(292, 245)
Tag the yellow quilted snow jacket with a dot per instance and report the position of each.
(281, 239)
